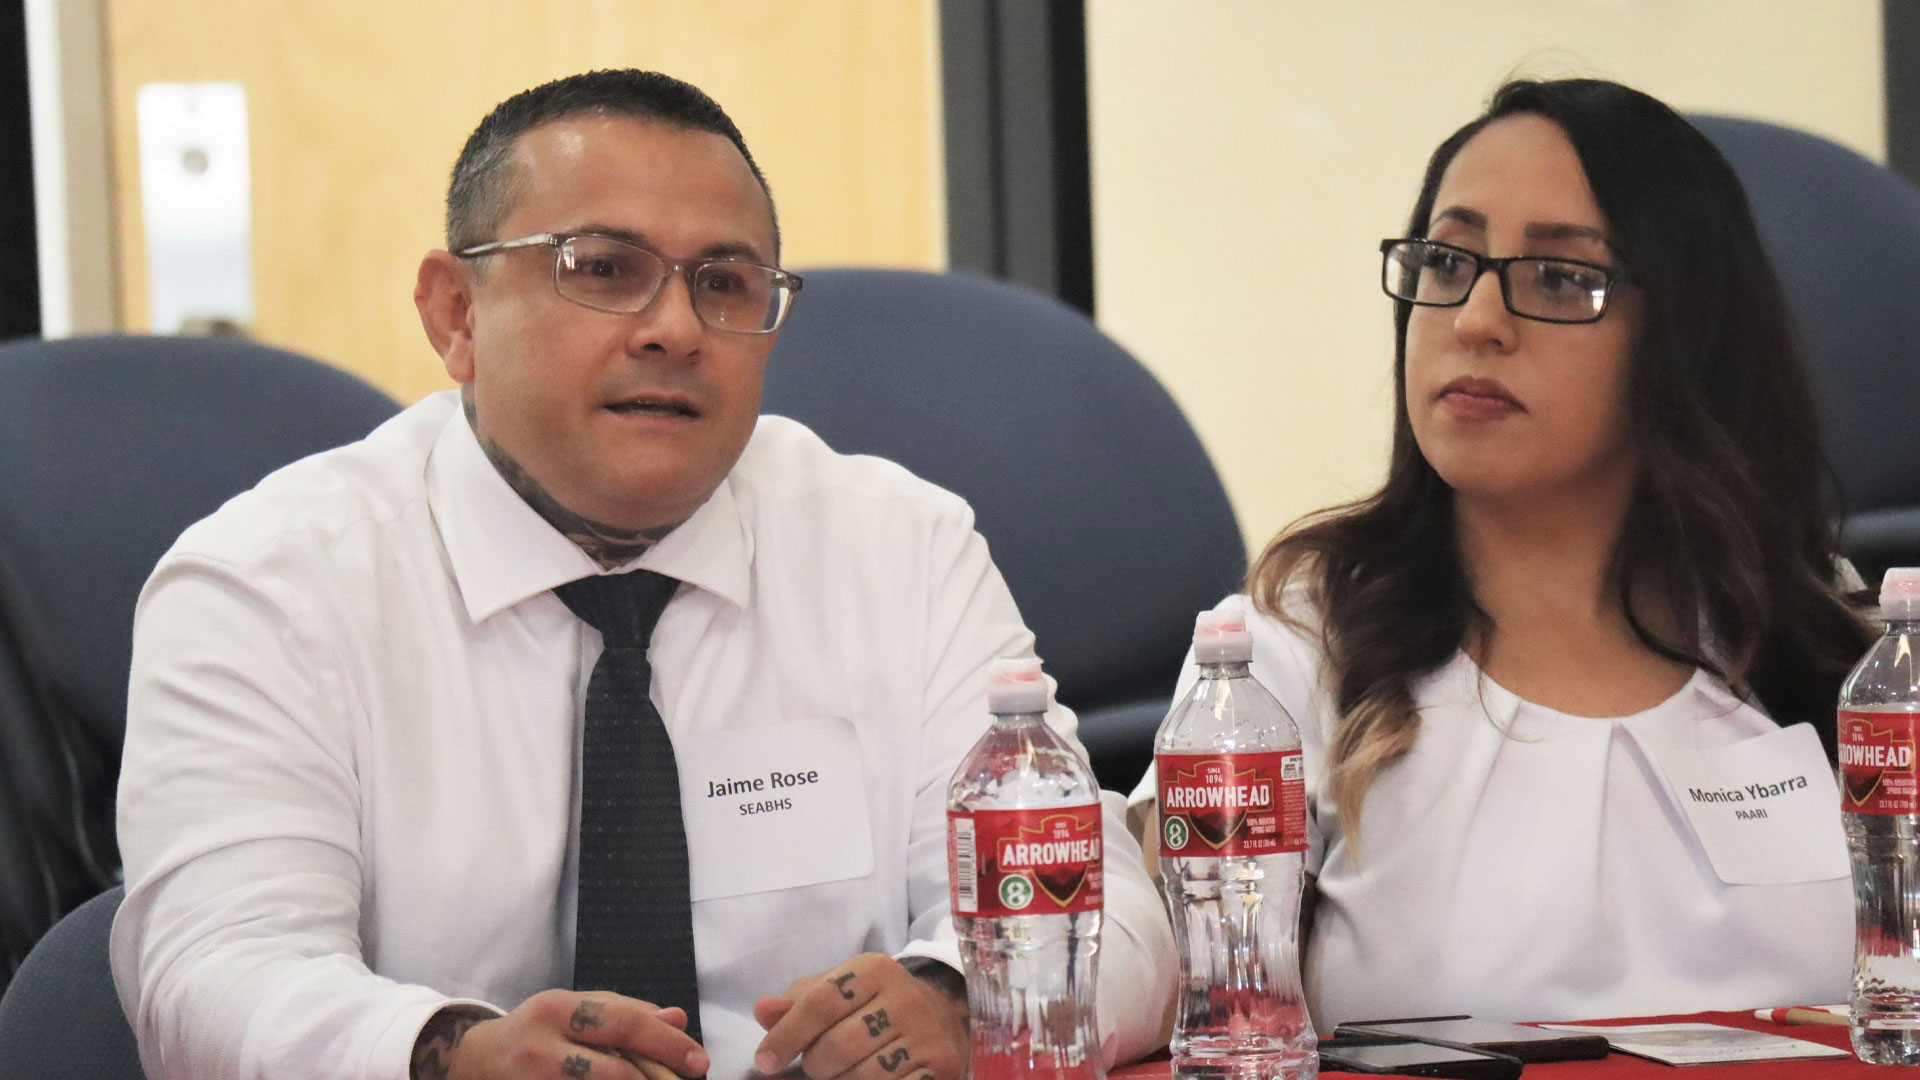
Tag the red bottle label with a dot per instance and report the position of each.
(1877, 759)
(1232, 804)
(1025, 862)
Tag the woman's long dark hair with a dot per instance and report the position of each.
(1727, 522)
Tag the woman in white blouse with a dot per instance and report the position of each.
(1567, 681)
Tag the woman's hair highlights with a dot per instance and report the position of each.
(1728, 520)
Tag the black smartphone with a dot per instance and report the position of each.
(1529, 1044)
(1386, 1055)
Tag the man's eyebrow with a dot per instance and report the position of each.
(723, 250)
(732, 251)
(612, 233)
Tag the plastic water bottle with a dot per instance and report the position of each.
(1233, 839)
(1025, 874)
(1880, 797)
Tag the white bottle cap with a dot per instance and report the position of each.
(1221, 637)
(1015, 687)
(1900, 593)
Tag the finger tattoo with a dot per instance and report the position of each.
(585, 1015)
(894, 1060)
(840, 983)
(575, 1066)
(877, 1022)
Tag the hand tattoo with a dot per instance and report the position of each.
(877, 1022)
(585, 1015)
(608, 545)
(575, 1066)
(893, 1060)
(440, 1036)
(840, 983)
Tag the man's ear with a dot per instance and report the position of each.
(443, 293)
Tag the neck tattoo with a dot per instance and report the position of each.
(607, 545)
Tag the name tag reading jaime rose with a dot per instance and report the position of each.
(1766, 809)
(773, 807)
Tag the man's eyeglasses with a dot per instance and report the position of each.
(605, 274)
(1549, 290)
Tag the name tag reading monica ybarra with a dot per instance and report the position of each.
(1765, 809)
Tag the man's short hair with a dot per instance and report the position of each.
(481, 191)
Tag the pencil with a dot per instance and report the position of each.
(1801, 1014)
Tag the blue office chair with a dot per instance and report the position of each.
(1844, 237)
(1095, 495)
(109, 448)
(60, 1018)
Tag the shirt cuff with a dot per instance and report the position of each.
(394, 1052)
(946, 952)
(939, 974)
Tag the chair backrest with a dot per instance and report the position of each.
(60, 1018)
(1843, 234)
(1095, 495)
(109, 448)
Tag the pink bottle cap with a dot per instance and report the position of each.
(1221, 637)
(1016, 687)
(1900, 593)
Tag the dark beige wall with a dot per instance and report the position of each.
(358, 107)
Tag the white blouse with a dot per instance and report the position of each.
(1525, 864)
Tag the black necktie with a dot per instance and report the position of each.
(634, 933)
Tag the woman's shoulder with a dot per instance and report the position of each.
(1287, 625)
(1289, 657)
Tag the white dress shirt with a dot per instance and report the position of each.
(351, 783)
(1525, 864)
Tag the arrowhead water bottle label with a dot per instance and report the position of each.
(1232, 804)
(1025, 862)
(1877, 760)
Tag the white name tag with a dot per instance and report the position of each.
(773, 807)
(1767, 809)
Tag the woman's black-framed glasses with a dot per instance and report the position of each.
(1433, 274)
(606, 274)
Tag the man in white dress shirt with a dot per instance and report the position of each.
(351, 798)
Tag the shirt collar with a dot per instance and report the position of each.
(502, 552)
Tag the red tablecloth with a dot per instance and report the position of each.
(1627, 1067)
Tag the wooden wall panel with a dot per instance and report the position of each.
(358, 108)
